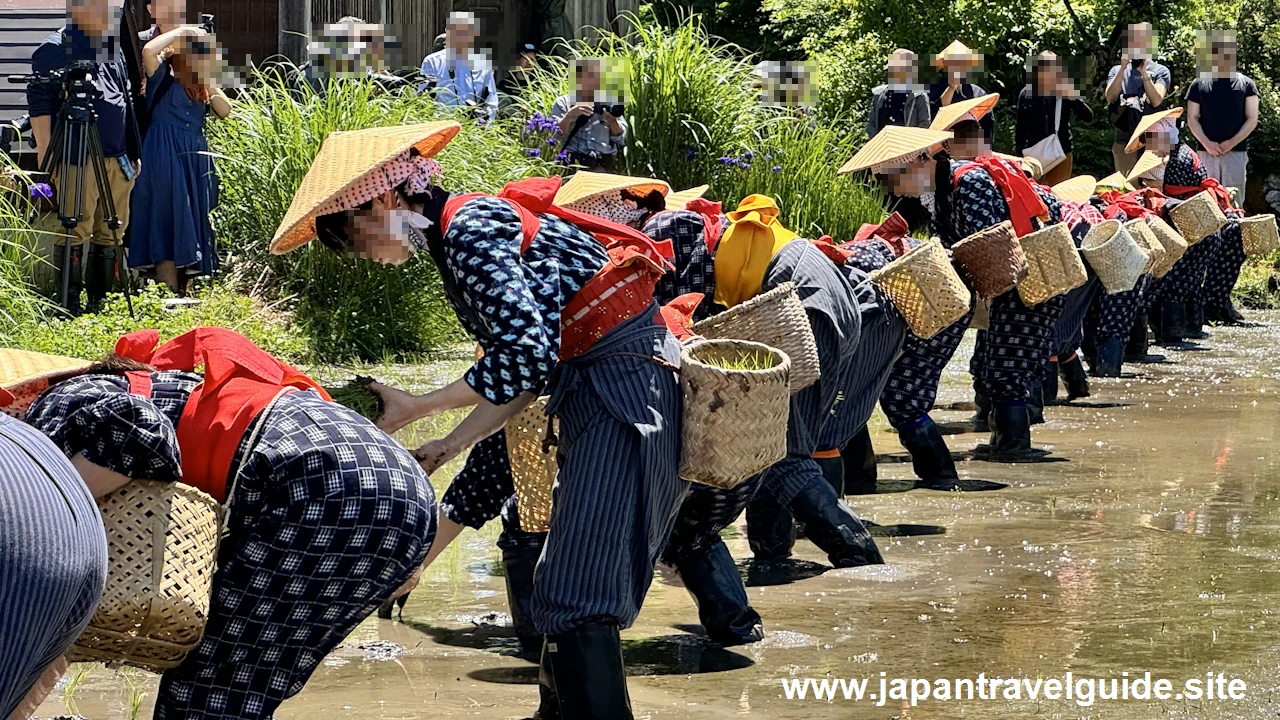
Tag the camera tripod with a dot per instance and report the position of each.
(75, 146)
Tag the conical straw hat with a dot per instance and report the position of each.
(1077, 189)
(1115, 181)
(894, 145)
(586, 184)
(678, 200)
(1148, 162)
(955, 113)
(345, 159)
(1146, 123)
(20, 366)
(957, 52)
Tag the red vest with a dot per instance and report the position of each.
(240, 381)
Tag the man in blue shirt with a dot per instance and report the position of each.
(1135, 87)
(88, 38)
(460, 76)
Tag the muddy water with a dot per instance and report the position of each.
(1154, 545)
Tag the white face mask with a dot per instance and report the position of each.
(409, 224)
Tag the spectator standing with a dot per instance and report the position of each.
(88, 38)
(592, 134)
(1222, 111)
(957, 64)
(901, 101)
(1046, 106)
(458, 75)
(1136, 87)
(173, 200)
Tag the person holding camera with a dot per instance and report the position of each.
(1136, 87)
(593, 131)
(174, 238)
(87, 41)
(458, 76)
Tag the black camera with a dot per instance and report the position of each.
(78, 81)
(614, 109)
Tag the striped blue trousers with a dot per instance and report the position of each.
(53, 558)
(1069, 330)
(618, 490)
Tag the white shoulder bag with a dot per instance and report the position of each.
(1049, 150)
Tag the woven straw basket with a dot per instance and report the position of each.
(992, 259)
(1141, 233)
(1259, 234)
(1198, 218)
(1174, 246)
(161, 542)
(1114, 255)
(735, 421)
(1054, 265)
(776, 319)
(27, 374)
(532, 468)
(925, 288)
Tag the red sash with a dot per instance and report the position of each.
(1135, 204)
(621, 290)
(1215, 189)
(240, 381)
(1023, 200)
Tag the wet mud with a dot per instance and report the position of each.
(1152, 543)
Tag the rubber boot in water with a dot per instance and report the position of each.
(930, 456)
(1195, 321)
(518, 563)
(99, 274)
(1074, 377)
(831, 525)
(1135, 350)
(712, 579)
(1110, 358)
(981, 413)
(1224, 315)
(1173, 321)
(1035, 400)
(771, 530)
(1049, 382)
(587, 673)
(1010, 431)
(859, 457)
(548, 702)
(75, 284)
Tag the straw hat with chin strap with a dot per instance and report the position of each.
(1148, 162)
(957, 52)
(586, 185)
(345, 160)
(680, 200)
(956, 113)
(1077, 189)
(1146, 123)
(896, 145)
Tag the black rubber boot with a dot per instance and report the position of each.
(831, 525)
(99, 274)
(76, 283)
(1110, 358)
(548, 701)
(1195, 321)
(1225, 315)
(1074, 377)
(517, 565)
(587, 674)
(1173, 321)
(712, 579)
(981, 413)
(1049, 386)
(833, 470)
(1135, 350)
(1035, 400)
(859, 457)
(771, 531)
(930, 457)
(1010, 431)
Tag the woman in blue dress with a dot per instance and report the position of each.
(177, 188)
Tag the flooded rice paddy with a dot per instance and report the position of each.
(1152, 545)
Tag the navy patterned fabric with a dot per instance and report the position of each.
(913, 382)
(694, 262)
(1015, 347)
(516, 298)
(1117, 312)
(328, 516)
(53, 558)
(1185, 282)
(481, 489)
(1184, 168)
(97, 415)
(1222, 274)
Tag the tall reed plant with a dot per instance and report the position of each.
(20, 305)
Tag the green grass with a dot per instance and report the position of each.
(735, 358)
(1257, 287)
(357, 396)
